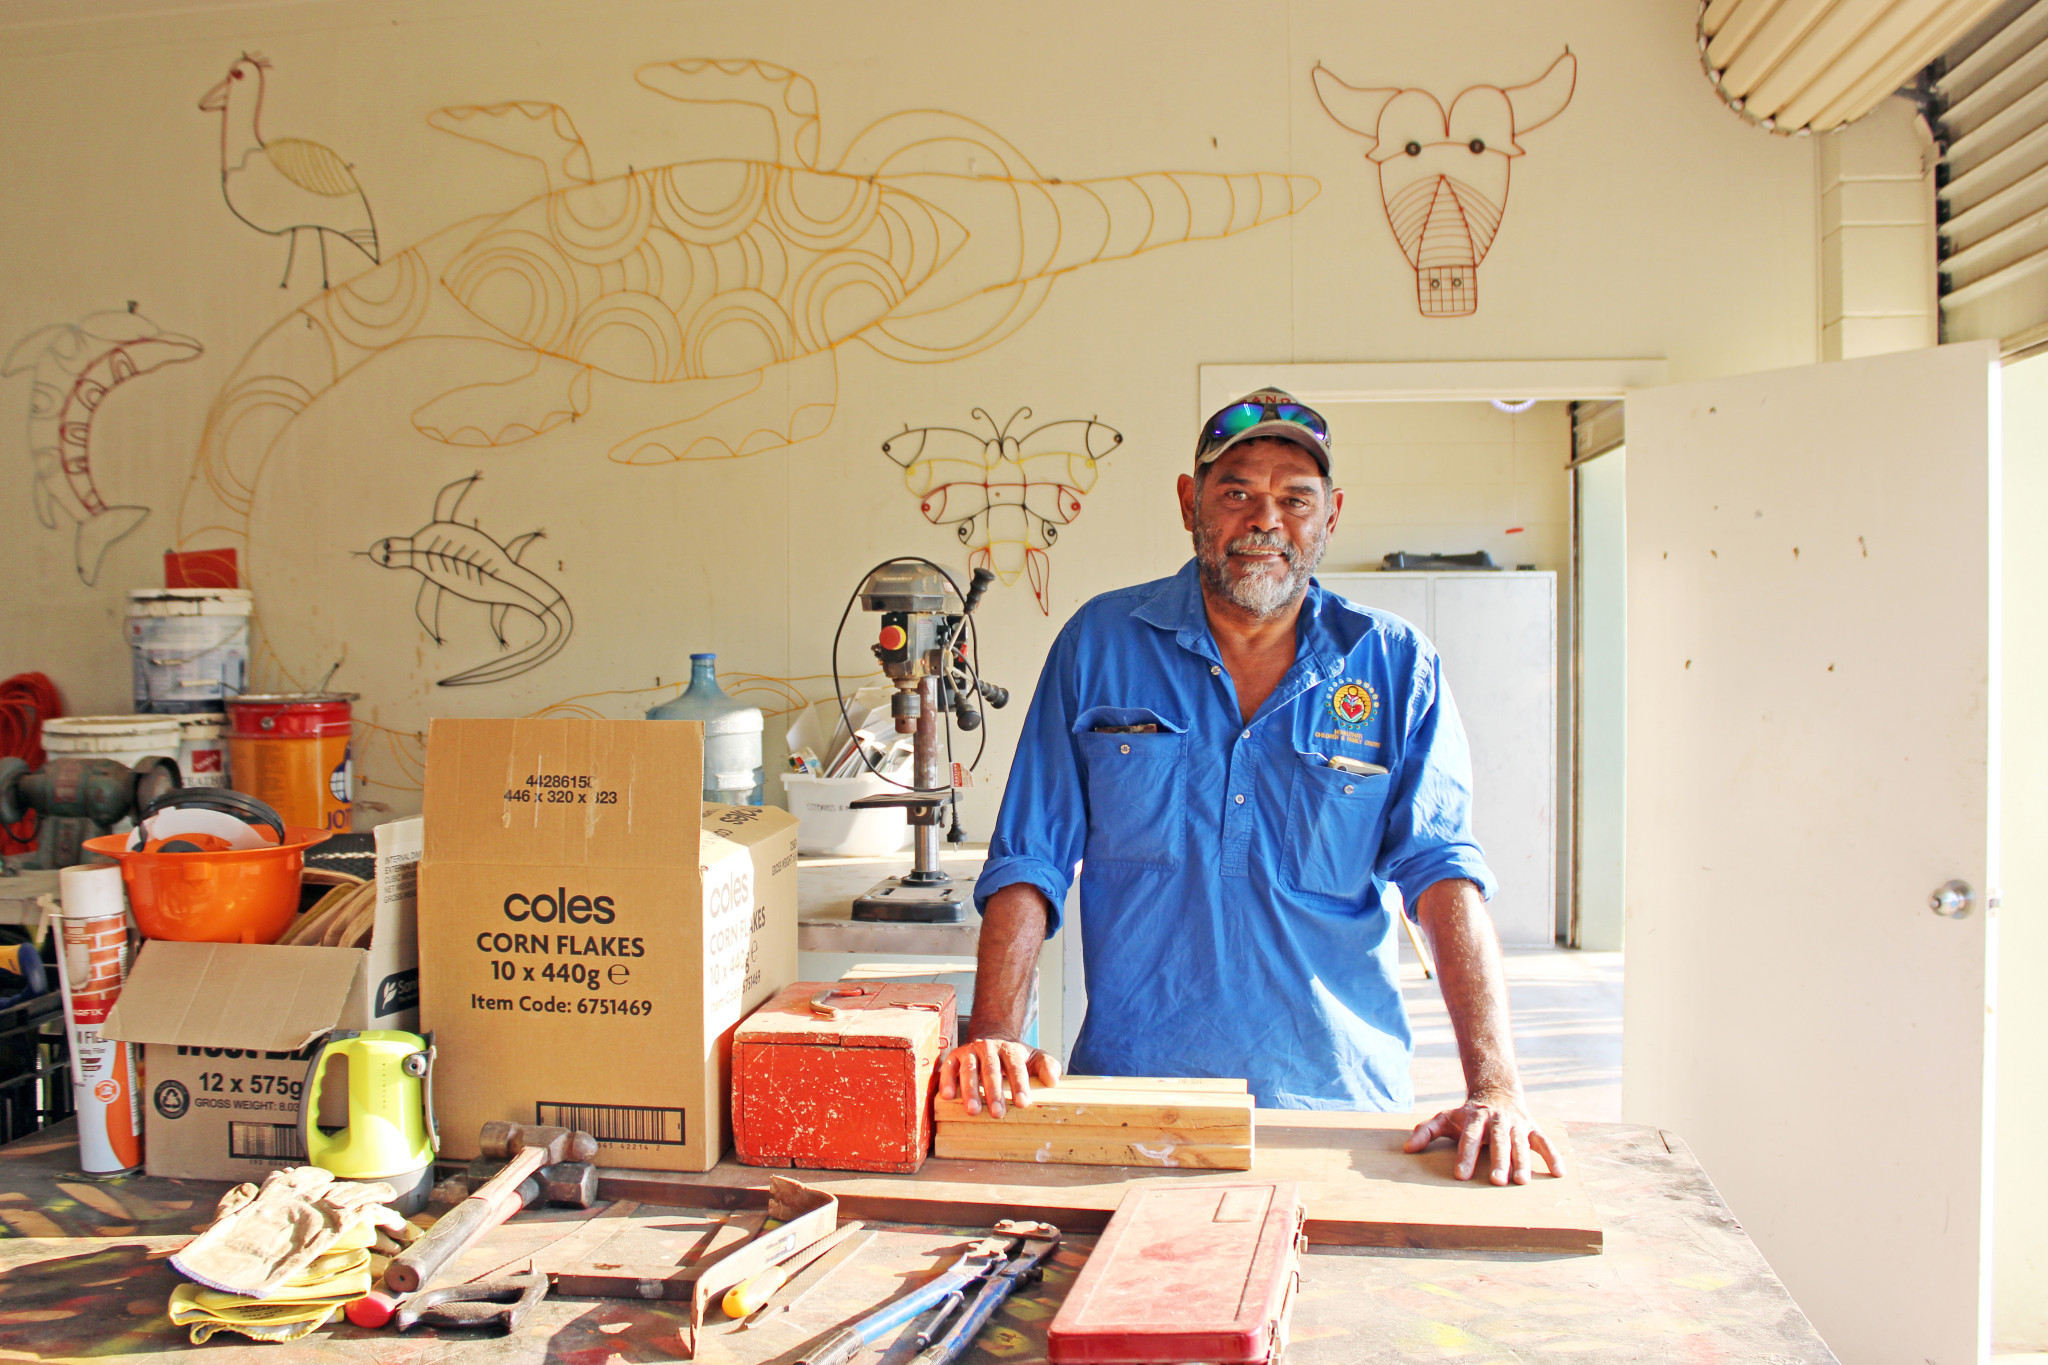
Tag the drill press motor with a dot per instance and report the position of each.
(921, 650)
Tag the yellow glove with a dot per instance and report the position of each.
(207, 1311)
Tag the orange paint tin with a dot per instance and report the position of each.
(842, 1084)
(291, 750)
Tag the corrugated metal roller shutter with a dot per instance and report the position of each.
(1798, 66)
(1988, 101)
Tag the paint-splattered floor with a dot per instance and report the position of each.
(1567, 1010)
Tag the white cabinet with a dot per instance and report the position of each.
(1497, 634)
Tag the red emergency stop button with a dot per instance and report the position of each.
(892, 637)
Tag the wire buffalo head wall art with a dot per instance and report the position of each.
(1444, 175)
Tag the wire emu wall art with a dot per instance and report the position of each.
(287, 185)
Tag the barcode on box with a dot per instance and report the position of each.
(266, 1141)
(614, 1122)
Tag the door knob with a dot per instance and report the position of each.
(1952, 899)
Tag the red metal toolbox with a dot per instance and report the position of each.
(1186, 1271)
(839, 1076)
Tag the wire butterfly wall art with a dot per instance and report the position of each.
(1005, 496)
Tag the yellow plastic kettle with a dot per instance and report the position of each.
(389, 1133)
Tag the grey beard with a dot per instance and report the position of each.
(1252, 591)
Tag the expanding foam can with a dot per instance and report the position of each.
(92, 962)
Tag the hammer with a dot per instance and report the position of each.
(530, 1147)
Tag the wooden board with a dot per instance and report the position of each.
(1217, 1084)
(1361, 1189)
(1140, 1110)
(1091, 1147)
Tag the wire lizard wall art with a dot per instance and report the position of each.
(454, 557)
(1005, 496)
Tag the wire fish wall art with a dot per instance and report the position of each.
(1444, 174)
(76, 366)
(1005, 496)
(456, 558)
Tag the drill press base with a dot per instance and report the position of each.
(898, 901)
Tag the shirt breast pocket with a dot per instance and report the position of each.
(1333, 821)
(1135, 786)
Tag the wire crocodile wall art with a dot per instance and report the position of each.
(694, 310)
(459, 558)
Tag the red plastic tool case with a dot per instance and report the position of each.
(1186, 1271)
(845, 1093)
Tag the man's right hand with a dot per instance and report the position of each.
(995, 1071)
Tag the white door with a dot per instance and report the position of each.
(1813, 714)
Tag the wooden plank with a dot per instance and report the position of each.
(1169, 1150)
(1135, 1109)
(1215, 1084)
(1361, 1189)
(1026, 1135)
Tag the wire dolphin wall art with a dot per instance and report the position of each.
(1444, 174)
(1005, 496)
(76, 366)
(456, 558)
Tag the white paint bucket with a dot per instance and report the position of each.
(203, 750)
(189, 647)
(125, 739)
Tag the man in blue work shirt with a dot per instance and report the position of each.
(1240, 763)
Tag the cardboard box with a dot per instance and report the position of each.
(228, 1029)
(591, 932)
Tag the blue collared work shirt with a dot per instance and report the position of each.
(1232, 882)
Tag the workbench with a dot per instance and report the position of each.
(82, 1273)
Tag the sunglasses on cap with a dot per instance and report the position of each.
(1232, 422)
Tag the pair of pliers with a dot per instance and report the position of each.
(507, 1302)
(996, 1264)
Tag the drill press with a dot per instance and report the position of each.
(921, 651)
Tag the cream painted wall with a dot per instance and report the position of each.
(1452, 478)
(1642, 221)
(2020, 1294)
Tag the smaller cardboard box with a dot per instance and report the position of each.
(228, 1029)
(840, 1076)
(591, 931)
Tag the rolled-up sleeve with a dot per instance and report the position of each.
(1429, 818)
(1043, 825)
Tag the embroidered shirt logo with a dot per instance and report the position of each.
(1353, 704)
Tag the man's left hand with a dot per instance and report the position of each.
(1492, 1120)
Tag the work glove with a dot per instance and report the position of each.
(261, 1240)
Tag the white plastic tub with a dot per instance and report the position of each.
(827, 822)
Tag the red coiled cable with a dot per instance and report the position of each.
(26, 701)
